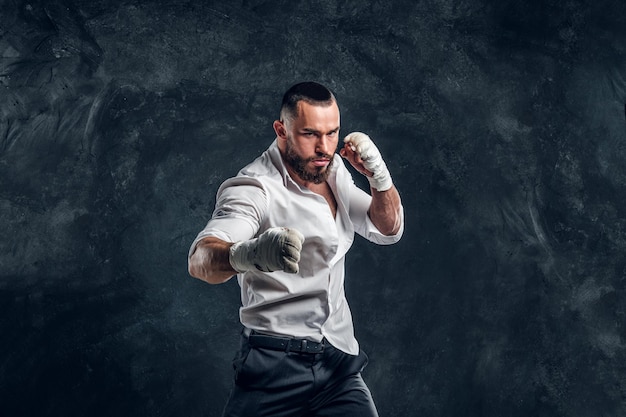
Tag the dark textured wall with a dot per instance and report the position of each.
(503, 125)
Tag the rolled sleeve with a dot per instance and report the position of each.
(240, 206)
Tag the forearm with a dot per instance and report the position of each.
(384, 211)
(276, 249)
(210, 261)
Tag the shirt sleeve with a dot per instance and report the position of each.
(240, 206)
(359, 205)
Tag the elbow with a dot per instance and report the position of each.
(192, 269)
(196, 269)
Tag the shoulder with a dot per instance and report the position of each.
(260, 167)
(261, 170)
(253, 180)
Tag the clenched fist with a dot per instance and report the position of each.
(366, 158)
(276, 249)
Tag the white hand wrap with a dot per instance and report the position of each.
(372, 160)
(275, 249)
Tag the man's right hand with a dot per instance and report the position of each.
(276, 249)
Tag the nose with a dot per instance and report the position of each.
(325, 145)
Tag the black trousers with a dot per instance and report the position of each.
(292, 384)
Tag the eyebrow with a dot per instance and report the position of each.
(309, 130)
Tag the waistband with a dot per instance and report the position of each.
(285, 344)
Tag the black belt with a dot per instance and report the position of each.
(285, 344)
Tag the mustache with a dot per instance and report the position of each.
(320, 156)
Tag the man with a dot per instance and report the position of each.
(284, 225)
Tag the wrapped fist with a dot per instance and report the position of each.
(361, 151)
(276, 249)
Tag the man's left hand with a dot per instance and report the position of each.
(365, 157)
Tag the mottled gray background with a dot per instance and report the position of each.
(502, 122)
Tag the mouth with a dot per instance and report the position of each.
(320, 162)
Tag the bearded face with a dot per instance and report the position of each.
(308, 141)
(305, 168)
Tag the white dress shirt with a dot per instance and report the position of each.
(312, 303)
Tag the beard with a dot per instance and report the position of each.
(318, 175)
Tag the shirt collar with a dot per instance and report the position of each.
(278, 162)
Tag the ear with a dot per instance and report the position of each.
(280, 129)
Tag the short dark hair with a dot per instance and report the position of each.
(310, 92)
